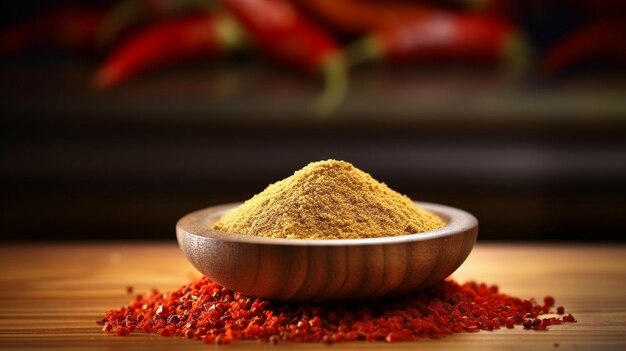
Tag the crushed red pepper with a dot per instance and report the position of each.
(206, 311)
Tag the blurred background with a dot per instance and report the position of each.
(119, 117)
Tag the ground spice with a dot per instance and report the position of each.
(328, 200)
(204, 310)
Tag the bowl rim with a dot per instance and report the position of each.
(457, 221)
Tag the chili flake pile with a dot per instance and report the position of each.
(204, 310)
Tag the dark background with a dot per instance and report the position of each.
(543, 159)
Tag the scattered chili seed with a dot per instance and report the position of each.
(560, 310)
(204, 310)
(129, 289)
(274, 339)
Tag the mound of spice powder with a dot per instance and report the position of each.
(206, 311)
(328, 200)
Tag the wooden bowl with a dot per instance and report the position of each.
(326, 270)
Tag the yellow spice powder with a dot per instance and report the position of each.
(328, 200)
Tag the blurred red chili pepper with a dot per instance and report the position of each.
(445, 36)
(202, 35)
(509, 9)
(127, 13)
(605, 38)
(68, 29)
(356, 17)
(281, 32)
(602, 7)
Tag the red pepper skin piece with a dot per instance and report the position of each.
(357, 17)
(604, 38)
(448, 37)
(282, 33)
(203, 35)
(72, 29)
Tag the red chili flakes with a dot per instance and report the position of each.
(129, 289)
(560, 310)
(204, 310)
(569, 318)
(122, 330)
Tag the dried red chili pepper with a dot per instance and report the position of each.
(202, 35)
(204, 310)
(127, 13)
(445, 36)
(357, 17)
(67, 29)
(599, 39)
(281, 32)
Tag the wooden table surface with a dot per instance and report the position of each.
(51, 295)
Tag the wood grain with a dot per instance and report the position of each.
(51, 295)
(327, 270)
